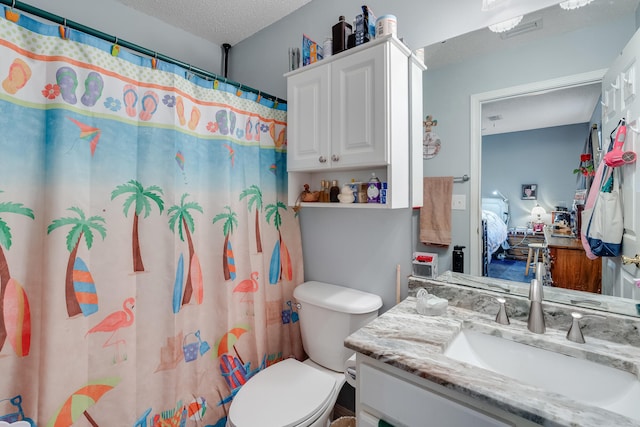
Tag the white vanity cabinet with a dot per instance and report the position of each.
(350, 115)
(384, 392)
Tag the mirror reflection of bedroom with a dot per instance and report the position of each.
(534, 171)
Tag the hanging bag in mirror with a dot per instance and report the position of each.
(606, 224)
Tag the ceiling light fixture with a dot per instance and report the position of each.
(507, 25)
(574, 4)
(490, 4)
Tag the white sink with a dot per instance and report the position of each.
(578, 379)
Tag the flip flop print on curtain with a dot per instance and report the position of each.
(15, 314)
(93, 86)
(130, 98)
(19, 75)
(280, 265)
(226, 122)
(180, 217)
(281, 140)
(252, 130)
(148, 105)
(80, 227)
(230, 219)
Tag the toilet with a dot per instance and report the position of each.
(302, 394)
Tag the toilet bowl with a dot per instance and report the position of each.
(302, 394)
(289, 393)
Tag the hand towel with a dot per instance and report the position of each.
(435, 214)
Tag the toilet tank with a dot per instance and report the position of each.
(328, 314)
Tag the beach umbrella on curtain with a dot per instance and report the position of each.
(228, 340)
(80, 401)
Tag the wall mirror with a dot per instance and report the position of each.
(548, 23)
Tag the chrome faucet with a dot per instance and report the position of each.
(575, 333)
(535, 323)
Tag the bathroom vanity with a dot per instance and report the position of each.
(410, 375)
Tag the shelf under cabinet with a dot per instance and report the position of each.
(345, 205)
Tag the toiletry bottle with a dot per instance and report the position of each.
(325, 191)
(334, 191)
(355, 186)
(340, 32)
(373, 189)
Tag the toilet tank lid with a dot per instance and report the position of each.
(337, 298)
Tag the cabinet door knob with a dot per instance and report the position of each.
(322, 159)
(335, 158)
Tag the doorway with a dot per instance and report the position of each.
(476, 102)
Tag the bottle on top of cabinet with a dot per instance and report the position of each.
(340, 32)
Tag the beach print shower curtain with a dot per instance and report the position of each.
(147, 256)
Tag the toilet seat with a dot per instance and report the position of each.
(289, 393)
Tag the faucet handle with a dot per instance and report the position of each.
(575, 333)
(502, 317)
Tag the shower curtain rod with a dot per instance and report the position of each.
(115, 40)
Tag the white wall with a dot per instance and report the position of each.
(115, 19)
(546, 157)
(261, 60)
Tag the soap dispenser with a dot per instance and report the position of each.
(373, 189)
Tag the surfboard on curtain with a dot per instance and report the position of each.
(196, 279)
(231, 262)
(178, 284)
(274, 265)
(285, 260)
(17, 317)
(84, 288)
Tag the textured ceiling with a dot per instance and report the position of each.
(218, 21)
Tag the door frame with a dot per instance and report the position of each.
(475, 170)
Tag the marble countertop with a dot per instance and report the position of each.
(419, 349)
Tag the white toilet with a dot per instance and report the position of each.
(302, 394)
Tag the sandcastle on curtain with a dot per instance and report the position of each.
(147, 260)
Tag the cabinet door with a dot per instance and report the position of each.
(571, 269)
(358, 121)
(308, 120)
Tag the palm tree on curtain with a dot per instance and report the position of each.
(5, 241)
(280, 260)
(228, 262)
(180, 217)
(139, 197)
(80, 226)
(254, 195)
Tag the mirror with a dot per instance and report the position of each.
(475, 53)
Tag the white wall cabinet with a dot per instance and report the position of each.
(384, 392)
(349, 116)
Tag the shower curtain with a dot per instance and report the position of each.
(147, 259)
